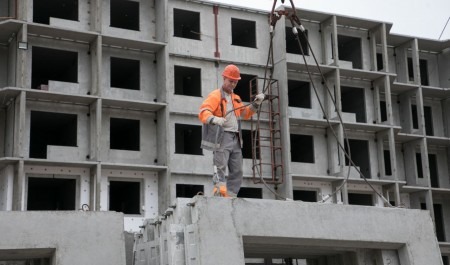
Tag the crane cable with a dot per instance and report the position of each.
(274, 17)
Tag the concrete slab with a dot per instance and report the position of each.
(227, 231)
(65, 237)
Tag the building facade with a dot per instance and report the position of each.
(99, 102)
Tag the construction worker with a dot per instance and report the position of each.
(220, 114)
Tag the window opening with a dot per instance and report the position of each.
(423, 206)
(359, 150)
(415, 119)
(51, 64)
(188, 190)
(379, 61)
(125, 14)
(360, 199)
(48, 128)
(51, 194)
(428, 120)
(188, 139)
(439, 222)
(247, 144)
(188, 81)
(292, 42)
(24, 259)
(353, 101)
(124, 134)
(305, 195)
(349, 49)
(383, 111)
(302, 148)
(186, 24)
(410, 70)
(125, 73)
(299, 94)
(243, 87)
(243, 33)
(423, 64)
(434, 175)
(387, 163)
(445, 260)
(64, 9)
(125, 197)
(252, 193)
(419, 165)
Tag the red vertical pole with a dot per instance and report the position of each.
(216, 31)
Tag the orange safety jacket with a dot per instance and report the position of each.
(216, 105)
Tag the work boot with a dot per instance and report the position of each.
(220, 189)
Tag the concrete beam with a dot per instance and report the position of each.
(234, 225)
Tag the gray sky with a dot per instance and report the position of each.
(418, 18)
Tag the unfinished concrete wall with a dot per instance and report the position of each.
(76, 149)
(139, 67)
(80, 240)
(130, 18)
(250, 229)
(119, 113)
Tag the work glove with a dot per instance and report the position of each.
(259, 98)
(218, 121)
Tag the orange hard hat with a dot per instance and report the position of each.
(231, 71)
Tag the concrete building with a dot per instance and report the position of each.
(98, 112)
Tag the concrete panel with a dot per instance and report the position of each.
(147, 27)
(81, 175)
(148, 85)
(205, 47)
(235, 53)
(78, 153)
(76, 237)
(148, 195)
(408, 231)
(314, 38)
(84, 66)
(148, 138)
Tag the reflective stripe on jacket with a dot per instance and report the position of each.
(216, 105)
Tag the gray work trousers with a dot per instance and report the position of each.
(229, 155)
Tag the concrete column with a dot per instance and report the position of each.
(334, 36)
(97, 189)
(7, 187)
(376, 101)
(95, 122)
(96, 15)
(280, 74)
(324, 41)
(22, 62)
(97, 66)
(384, 51)
(20, 127)
(401, 57)
(415, 60)
(20, 188)
(373, 48)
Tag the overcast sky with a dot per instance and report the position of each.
(418, 18)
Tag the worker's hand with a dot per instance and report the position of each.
(259, 98)
(218, 121)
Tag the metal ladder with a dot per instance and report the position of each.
(267, 149)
